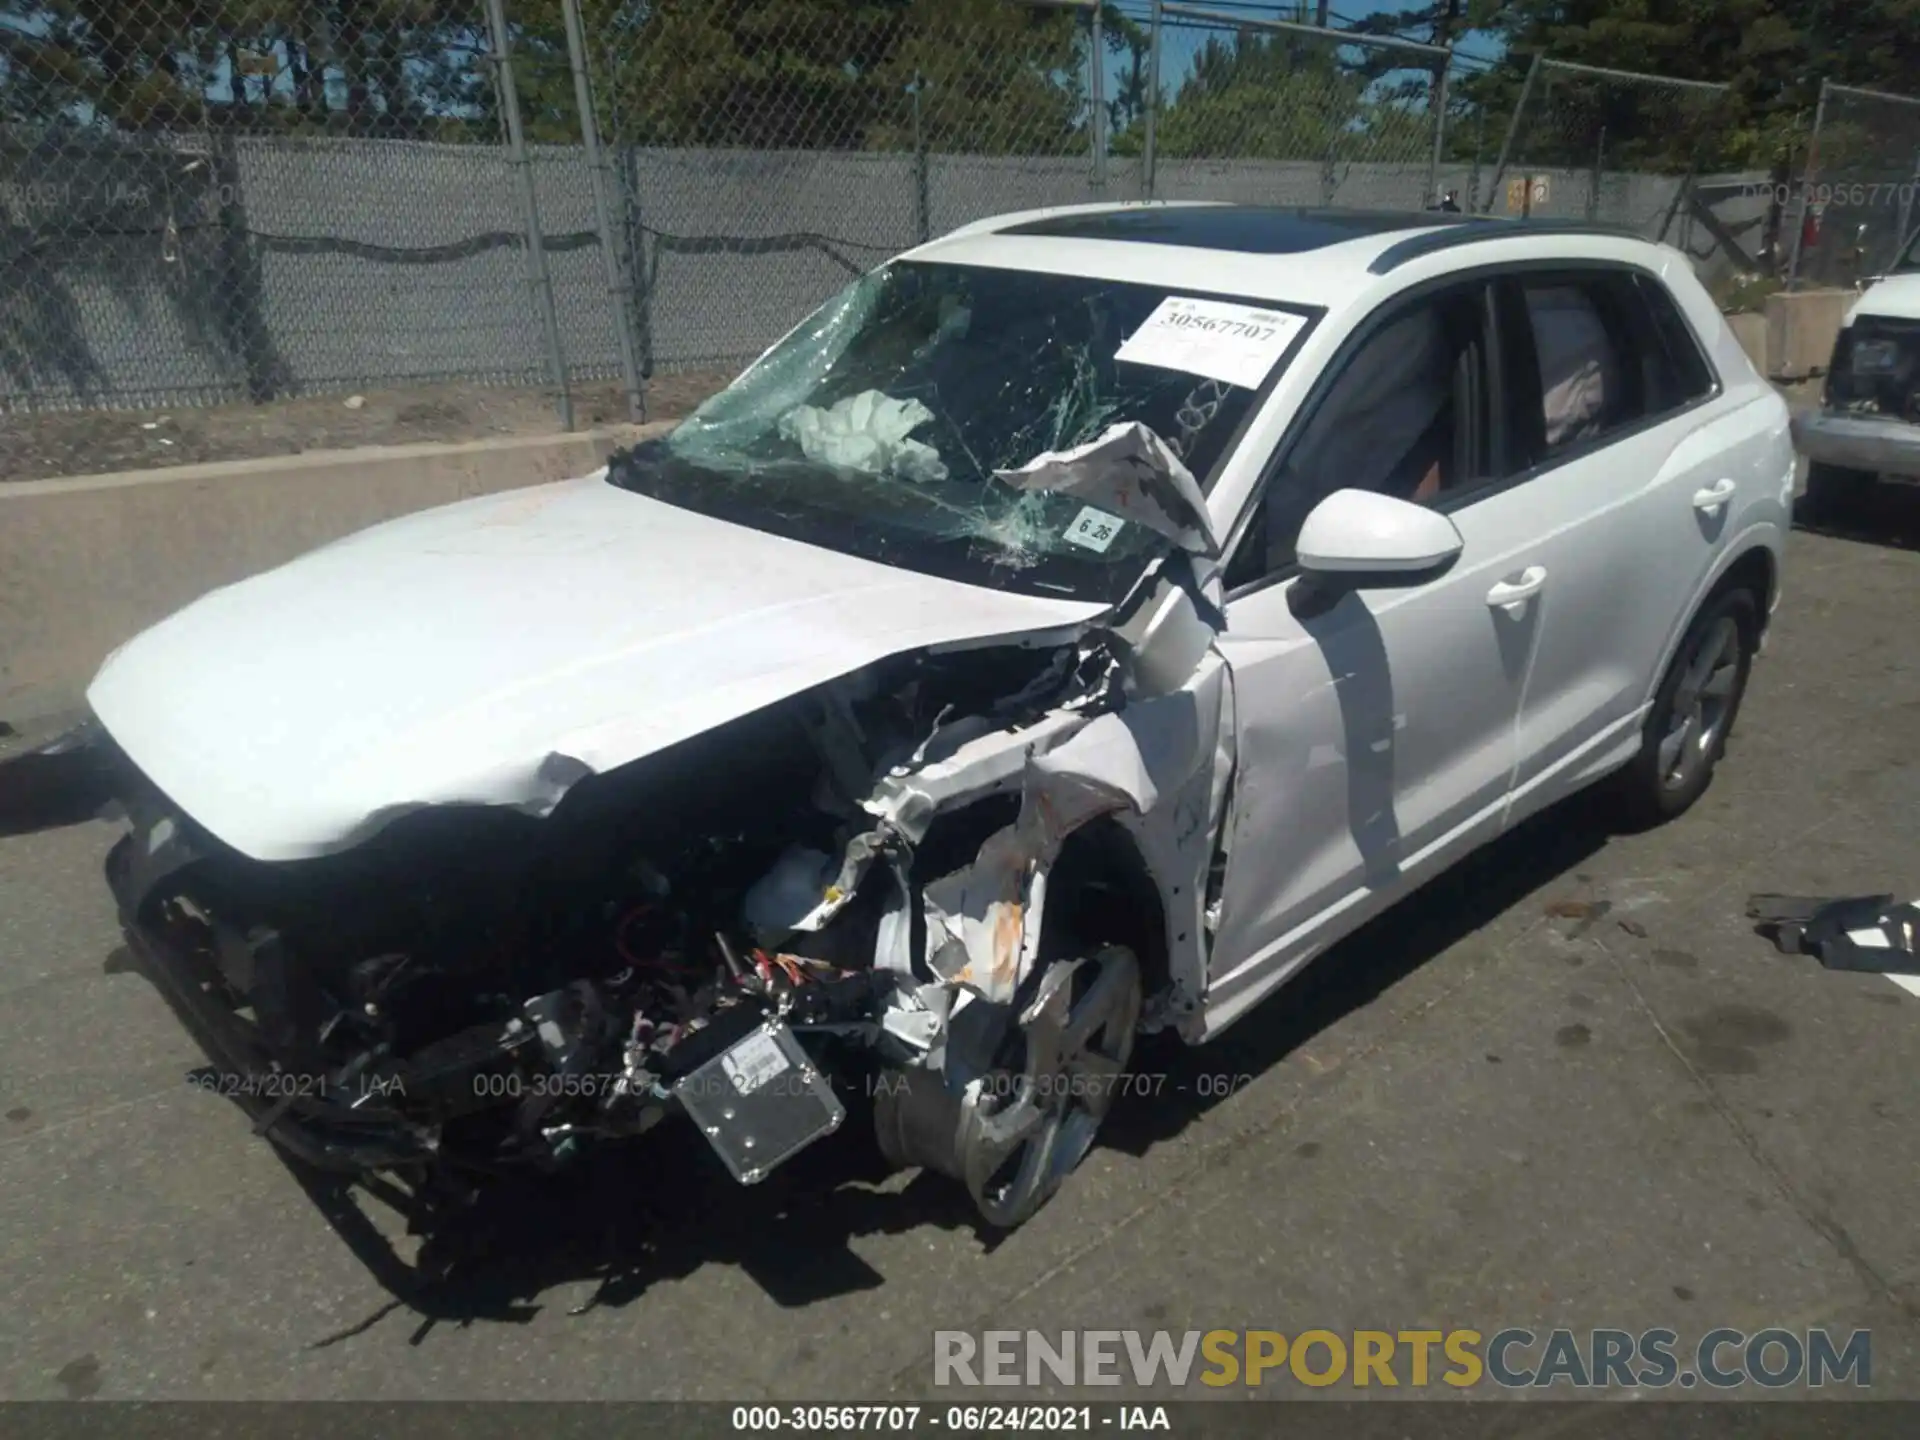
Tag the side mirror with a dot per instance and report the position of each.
(1356, 534)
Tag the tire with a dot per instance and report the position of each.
(1693, 711)
(1834, 492)
(1014, 1139)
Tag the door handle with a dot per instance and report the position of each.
(1714, 496)
(1511, 595)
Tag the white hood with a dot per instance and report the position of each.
(498, 650)
(1897, 297)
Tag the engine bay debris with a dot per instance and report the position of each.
(760, 1101)
(853, 877)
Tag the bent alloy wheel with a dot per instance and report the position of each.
(1013, 1135)
(1693, 711)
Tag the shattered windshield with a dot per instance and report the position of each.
(1004, 427)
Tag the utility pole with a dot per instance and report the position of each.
(1320, 13)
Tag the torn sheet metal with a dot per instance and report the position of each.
(981, 928)
(866, 434)
(907, 799)
(978, 935)
(807, 888)
(1132, 473)
(1862, 932)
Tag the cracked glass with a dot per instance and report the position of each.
(876, 426)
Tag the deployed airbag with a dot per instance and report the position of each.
(866, 434)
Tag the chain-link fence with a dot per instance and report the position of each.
(245, 202)
(200, 205)
(1854, 211)
(766, 154)
(1609, 146)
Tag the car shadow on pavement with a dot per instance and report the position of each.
(1190, 1080)
(628, 1217)
(1886, 514)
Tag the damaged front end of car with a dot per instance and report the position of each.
(941, 880)
(866, 728)
(844, 885)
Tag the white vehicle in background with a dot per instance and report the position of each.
(1070, 630)
(1866, 431)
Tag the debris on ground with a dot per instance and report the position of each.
(1587, 912)
(1863, 932)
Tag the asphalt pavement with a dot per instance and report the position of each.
(1565, 1086)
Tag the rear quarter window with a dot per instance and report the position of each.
(1688, 375)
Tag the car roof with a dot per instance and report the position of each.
(1248, 229)
(1322, 257)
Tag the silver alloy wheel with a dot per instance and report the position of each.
(1024, 1130)
(1014, 1133)
(1697, 716)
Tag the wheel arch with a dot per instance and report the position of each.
(1100, 891)
(1752, 562)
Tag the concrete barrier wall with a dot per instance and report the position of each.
(1750, 329)
(87, 562)
(1801, 329)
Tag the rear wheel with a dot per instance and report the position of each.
(1693, 711)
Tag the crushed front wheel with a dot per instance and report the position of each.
(1014, 1134)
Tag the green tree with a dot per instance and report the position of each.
(382, 67)
(989, 76)
(1279, 95)
(1260, 96)
(1773, 54)
(1127, 40)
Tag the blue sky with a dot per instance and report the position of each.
(1477, 45)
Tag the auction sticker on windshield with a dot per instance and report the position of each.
(1094, 529)
(1213, 338)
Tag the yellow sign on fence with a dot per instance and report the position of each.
(1517, 188)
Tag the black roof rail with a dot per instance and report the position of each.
(1484, 227)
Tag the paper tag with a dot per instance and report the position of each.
(753, 1062)
(1213, 338)
(1094, 529)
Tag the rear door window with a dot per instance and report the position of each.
(1581, 368)
(1597, 352)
